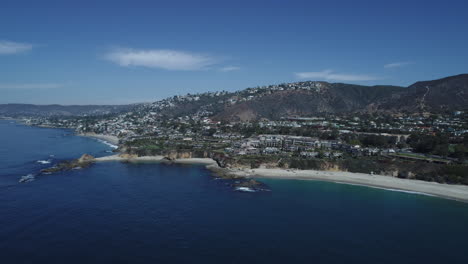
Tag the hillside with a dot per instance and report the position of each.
(447, 94)
(331, 98)
(450, 93)
(281, 100)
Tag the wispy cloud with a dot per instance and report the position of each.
(229, 68)
(10, 47)
(397, 64)
(329, 75)
(30, 86)
(160, 58)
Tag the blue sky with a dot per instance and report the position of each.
(80, 52)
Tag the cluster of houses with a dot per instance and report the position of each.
(402, 125)
(305, 146)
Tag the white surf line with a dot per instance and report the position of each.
(388, 189)
(107, 143)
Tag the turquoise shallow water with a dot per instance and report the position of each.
(154, 213)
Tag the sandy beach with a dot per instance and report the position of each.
(108, 138)
(455, 192)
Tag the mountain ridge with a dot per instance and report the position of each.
(282, 100)
(446, 94)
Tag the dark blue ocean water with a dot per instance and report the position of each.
(154, 213)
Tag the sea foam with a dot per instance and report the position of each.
(386, 189)
(27, 178)
(245, 189)
(107, 143)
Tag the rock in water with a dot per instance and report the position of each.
(83, 162)
(85, 158)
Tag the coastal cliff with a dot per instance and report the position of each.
(417, 170)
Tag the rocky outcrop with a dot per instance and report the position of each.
(223, 173)
(249, 183)
(221, 159)
(85, 158)
(239, 183)
(83, 162)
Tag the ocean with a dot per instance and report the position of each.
(157, 213)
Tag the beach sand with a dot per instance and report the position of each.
(108, 138)
(449, 191)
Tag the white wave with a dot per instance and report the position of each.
(107, 143)
(43, 161)
(387, 189)
(244, 189)
(405, 191)
(27, 178)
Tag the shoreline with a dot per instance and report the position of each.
(106, 138)
(447, 191)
